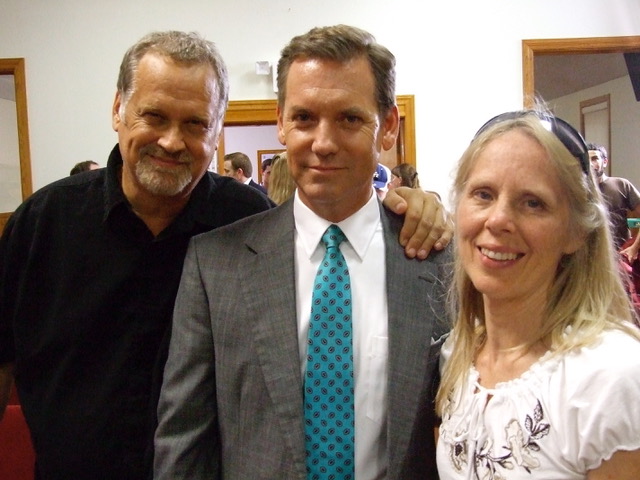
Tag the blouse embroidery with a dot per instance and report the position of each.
(519, 450)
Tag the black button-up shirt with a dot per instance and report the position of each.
(86, 298)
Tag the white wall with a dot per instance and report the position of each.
(10, 186)
(461, 59)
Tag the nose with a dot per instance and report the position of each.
(500, 217)
(324, 141)
(172, 139)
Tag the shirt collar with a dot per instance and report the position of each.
(113, 195)
(359, 228)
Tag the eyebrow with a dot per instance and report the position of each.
(355, 111)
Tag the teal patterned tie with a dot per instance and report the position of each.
(328, 385)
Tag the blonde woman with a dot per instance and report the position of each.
(541, 373)
(281, 185)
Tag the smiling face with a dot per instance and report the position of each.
(334, 134)
(512, 221)
(167, 130)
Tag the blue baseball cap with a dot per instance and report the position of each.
(381, 177)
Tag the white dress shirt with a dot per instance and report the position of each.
(365, 256)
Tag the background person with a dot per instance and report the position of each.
(232, 399)
(404, 175)
(543, 361)
(266, 171)
(381, 178)
(238, 165)
(84, 167)
(281, 184)
(621, 197)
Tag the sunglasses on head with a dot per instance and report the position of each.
(569, 136)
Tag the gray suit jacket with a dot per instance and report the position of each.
(231, 402)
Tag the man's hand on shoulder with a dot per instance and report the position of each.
(427, 224)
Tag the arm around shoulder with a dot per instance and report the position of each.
(427, 224)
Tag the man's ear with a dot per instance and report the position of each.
(280, 125)
(390, 127)
(115, 112)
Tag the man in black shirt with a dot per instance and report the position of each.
(90, 265)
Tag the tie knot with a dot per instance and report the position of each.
(333, 237)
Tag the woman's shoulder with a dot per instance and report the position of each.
(611, 348)
(599, 383)
(612, 360)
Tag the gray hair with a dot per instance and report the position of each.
(182, 47)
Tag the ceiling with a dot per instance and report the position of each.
(559, 75)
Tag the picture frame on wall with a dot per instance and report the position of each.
(264, 154)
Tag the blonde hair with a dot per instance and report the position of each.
(587, 293)
(281, 184)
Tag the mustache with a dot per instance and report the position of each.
(158, 151)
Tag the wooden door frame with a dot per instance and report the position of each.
(567, 46)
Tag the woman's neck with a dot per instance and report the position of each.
(512, 342)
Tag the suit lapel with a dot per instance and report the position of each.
(271, 290)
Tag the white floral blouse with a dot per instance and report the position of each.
(560, 419)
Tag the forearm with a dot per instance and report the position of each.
(635, 213)
(631, 252)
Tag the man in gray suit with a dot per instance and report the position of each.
(231, 405)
